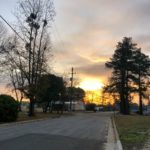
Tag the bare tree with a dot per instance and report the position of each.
(18, 83)
(27, 56)
(11, 64)
(34, 18)
(3, 32)
(3, 36)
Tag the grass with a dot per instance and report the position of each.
(39, 115)
(133, 130)
(23, 116)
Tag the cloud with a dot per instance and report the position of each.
(85, 32)
(97, 70)
(90, 31)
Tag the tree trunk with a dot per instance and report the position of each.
(20, 102)
(140, 94)
(127, 107)
(122, 93)
(19, 108)
(140, 105)
(31, 108)
(45, 107)
(121, 103)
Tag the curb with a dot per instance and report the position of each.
(118, 145)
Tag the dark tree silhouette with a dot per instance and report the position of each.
(122, 64)
(51, 88)
(141, 72)
(29, 56)
(76, 94)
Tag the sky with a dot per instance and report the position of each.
(85, 32)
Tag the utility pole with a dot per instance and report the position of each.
(71, 86)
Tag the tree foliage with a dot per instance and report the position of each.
(8, 108)
(76, 94)
(51, 89)
(141, 76)
(125, 71)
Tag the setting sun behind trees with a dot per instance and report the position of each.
(93, 88)
(91, 84)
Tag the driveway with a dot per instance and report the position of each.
(83, 131)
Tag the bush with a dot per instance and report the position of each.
(8, 108)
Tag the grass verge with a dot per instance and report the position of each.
(133, 130)
(23, 116)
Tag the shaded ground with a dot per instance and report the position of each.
(83, 131)
(40, 115)
(23, 116)
(133, 131)
(54, 142)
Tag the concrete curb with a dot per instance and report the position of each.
(113, 141)
(118, 145)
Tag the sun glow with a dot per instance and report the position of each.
(91, 84)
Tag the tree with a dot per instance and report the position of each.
(10, 66)
(122, 64)
(17, 82)
(3, 33)
(8, 108)
(109, 93)
(142, 73)
(77, 94)
(74, 94)
(29, 55)
(51, 88)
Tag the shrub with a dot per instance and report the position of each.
(8, 108)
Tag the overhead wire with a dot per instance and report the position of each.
(11, 28)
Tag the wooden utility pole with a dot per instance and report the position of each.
(71, 79)
(71, 86)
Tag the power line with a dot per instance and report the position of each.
(58, 35)
(12, 28)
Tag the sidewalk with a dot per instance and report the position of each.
(113, 141)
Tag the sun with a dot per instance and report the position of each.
(91, 84)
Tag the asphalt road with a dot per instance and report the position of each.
(84, 131)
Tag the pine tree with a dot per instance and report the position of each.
(122, 64)
(141, 72)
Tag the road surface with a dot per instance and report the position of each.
(83, 131)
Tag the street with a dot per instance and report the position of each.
(83, 131)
